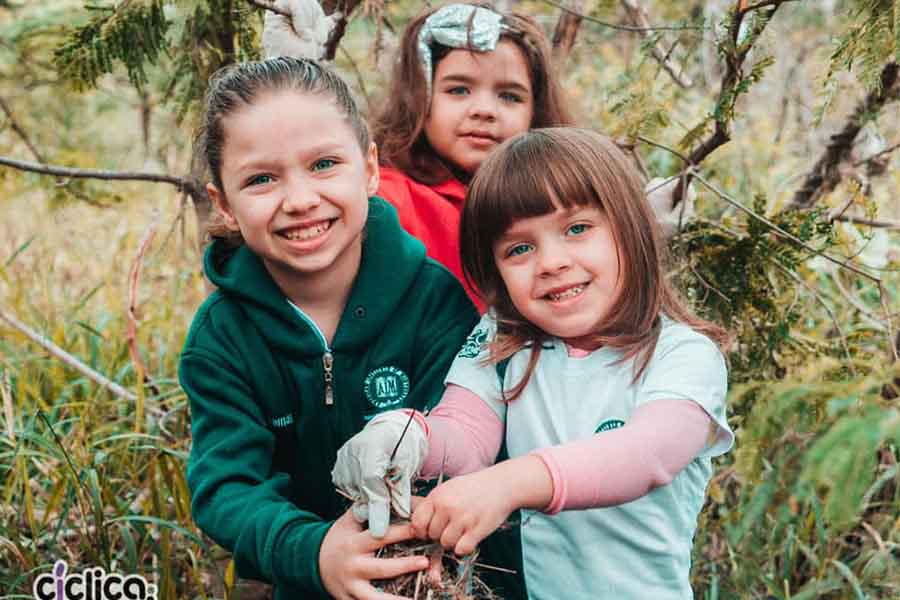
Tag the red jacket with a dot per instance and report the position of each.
(431, 214)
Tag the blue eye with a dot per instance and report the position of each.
(578, 228)
(323, 164)
(518, 250)
(511, 97)
(458, 90)
(260, 180)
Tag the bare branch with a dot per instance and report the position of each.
(825, 174)
(565, 32)
(270, 7)
(877, 156)
(622, 27)
(346, 8)
(638, 16)
(889, 225)
(183, 184)
(734, 61)
(20, 130)
(67, 358)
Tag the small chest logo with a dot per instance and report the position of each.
(474, 343)
(386, 387)
(609, 425)
(283, 421)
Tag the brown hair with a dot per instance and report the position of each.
(398, 127)
(532, 174)
(236, 86)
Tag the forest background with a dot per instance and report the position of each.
(782, 116)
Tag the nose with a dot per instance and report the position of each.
(300, 195)
(484, 106)
(553, 259)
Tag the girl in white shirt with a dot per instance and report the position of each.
(609, 393)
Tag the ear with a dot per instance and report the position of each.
(221, 205)
(372, 177)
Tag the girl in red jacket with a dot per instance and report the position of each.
(466, 78)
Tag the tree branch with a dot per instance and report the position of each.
(67, 358)
(270, 7)
(782, 233)
(638, 16)
(565, 32)
(183, 184)
(622, 27)
(346, 8)
(825, 174)
(889, 225)
(20, 130)
(734, 61)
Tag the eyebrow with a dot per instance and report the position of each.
(508, 84)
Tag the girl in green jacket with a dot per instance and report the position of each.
(326, 314)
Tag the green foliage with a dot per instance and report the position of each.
(200, 37)
(134, 34)
(870, 39)
(743, 275)
(807, 510)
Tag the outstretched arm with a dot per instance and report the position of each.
(610, 468)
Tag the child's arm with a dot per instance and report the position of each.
(610, 468)
(243, 504)
(622, 465)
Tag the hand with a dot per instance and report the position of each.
(659, 195)
(303, 35)
(347, 563)
(364, 461)
(464, 510)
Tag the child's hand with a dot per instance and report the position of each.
(347, 563)
(465, 510)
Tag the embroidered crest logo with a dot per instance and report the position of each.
(473, 344)
(609, 425)
(386, 387)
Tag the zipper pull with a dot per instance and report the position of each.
(327, 363)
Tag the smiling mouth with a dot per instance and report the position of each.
(481, 138)
(567, 294)
(306, 233)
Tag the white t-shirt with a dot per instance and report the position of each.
(640, 549)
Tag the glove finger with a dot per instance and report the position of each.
(360, 511)
(379, 518)
(401, 496)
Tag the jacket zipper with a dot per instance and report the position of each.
(327, 363)
(327, 357)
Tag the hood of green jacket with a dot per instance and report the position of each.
(240, 273)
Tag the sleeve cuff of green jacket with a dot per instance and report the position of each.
(299, 560)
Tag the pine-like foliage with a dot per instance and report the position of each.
(871, 39)
(132, 33)
(198, 36)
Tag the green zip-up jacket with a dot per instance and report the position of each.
(271, 403)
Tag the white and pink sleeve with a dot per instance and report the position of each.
(464, 434)
(618, 466)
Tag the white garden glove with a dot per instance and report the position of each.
(303, 35)
(364, 469)
(660, 197)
